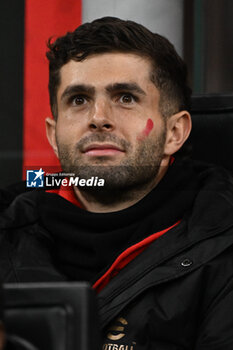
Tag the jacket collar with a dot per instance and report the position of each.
(202, 235)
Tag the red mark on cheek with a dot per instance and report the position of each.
(145, 132)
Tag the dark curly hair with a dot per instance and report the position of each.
(110, 34)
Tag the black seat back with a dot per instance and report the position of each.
(52, 316)
(212, 133)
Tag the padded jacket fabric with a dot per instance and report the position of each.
(177, 294)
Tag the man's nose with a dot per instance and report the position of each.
(101, 118)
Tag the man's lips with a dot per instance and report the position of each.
(104, 149)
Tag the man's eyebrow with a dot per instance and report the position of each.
(130, 87)
(77, 88)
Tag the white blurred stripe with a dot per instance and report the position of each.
(161, 16)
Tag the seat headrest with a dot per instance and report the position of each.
(212, 134)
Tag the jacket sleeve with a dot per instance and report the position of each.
(7, 273)
(216, 329)
(8, 194)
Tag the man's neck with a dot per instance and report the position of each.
(93, 203)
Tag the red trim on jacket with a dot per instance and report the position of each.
(68, 194)
(126, 257)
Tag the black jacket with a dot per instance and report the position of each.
(176, 294)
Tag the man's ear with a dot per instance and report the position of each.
(179, 126)
(51, 133)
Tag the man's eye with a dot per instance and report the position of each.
(127, 99)
(79, 100)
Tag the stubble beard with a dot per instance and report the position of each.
(122, 182)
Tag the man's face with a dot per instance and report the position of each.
(109, 124)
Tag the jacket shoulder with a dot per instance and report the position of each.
(26, 247)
